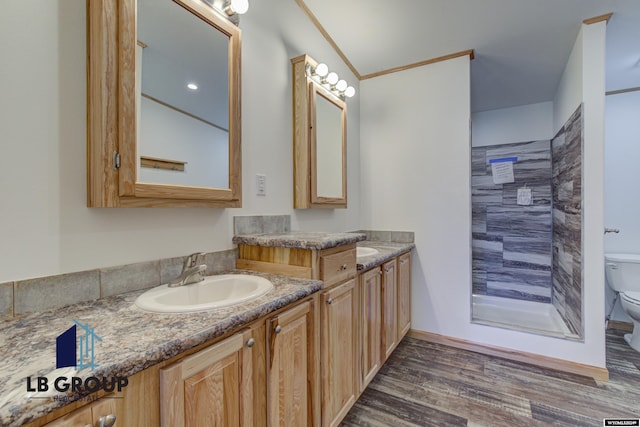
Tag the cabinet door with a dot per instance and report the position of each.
(291, 362)
(205, 388)
(338, 343)
(100, 413)
(404, 294)
(389, 308)
(370, 325)
(79, 418)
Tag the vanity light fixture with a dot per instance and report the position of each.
(349, 92)
(239, 7)
(321, 70)
(330, 80)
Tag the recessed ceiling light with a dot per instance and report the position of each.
(192, 86)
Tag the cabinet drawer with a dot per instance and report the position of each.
(337, 267)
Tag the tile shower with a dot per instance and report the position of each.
(531, 252)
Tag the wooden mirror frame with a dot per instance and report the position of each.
(316, 91)
(111, 113)
(304, 167)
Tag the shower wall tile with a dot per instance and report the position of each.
(479, 161)
(527, 251)
(479, 219)
(511, 243)
(566, 149)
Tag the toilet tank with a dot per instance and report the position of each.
(622, 271)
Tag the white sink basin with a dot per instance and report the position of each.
(362, 251)
(213, 292)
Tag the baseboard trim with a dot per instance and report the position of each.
(595, 372)
(620, 325)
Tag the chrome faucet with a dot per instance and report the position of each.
(191, 271)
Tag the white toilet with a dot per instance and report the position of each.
(623, 276)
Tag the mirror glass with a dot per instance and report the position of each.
(328, 148)
(182, 73)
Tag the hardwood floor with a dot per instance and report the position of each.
(426, 384)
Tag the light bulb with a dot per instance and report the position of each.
(192, 86)
(238, 6)
(332, 78)
(349, 92)
(321, 70)
(341, 85)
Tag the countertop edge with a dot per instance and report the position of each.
(299, 240)
(387, 251)
(21, 408)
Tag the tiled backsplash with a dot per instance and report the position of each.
(44, 293)
(34, 295)
(261, 224)
(389, 236)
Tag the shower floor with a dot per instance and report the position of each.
(527, 316)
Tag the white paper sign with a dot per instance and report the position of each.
(502, 170)
(525, 198)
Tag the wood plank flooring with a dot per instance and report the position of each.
(426, 384)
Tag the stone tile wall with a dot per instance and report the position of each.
(261, 224)
(511, 244)
(389, 236)
(566, 149)
(44, 293)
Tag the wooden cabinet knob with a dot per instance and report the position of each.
(330, 301)
(278, 329)
(107, 421)
(251, 342)
(344, 266)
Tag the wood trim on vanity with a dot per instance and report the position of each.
(595, 372)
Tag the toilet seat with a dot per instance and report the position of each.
(632, 297)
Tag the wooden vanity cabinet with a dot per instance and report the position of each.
(137, 405)
(389, 308)
(404, 295)
(370, 326)
(213, 387)
(384, 314)
(88, 416)
(293, 367)
(339, 362)
(337, 383)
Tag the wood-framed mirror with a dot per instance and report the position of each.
(153, 140)
(319, 141)
(328, 136)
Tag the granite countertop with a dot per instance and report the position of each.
(386, 251)
(299, 239)
(132, 340)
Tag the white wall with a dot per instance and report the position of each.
(622, 179)
(533, 122)
(415, 175)
(45, 227)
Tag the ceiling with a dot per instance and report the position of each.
(520, 46)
